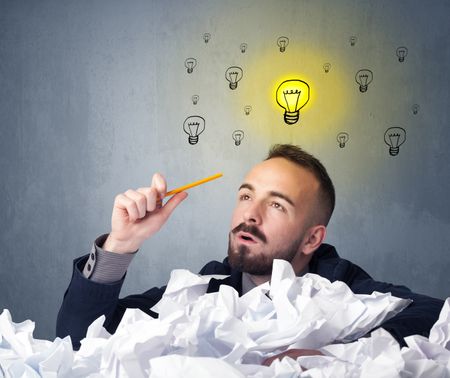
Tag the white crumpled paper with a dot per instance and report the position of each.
(224, 335)
(380, 355)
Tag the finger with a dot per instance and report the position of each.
(140, 200)
(159, 182)
(172, 203)
(127, 205)
(151, 196)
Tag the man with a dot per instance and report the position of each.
(283, 208)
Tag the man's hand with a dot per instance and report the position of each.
(139, 214)
(293, 353)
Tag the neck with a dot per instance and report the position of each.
(300, 262)
(259, 280)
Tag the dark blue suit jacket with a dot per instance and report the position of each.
(85, 300)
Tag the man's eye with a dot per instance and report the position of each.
(277, 206)
(244, 197)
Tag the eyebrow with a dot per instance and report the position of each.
(272, 193)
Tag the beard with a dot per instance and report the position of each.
(241, 258)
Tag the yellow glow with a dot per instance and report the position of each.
(330, 97)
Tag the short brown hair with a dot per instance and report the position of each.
(295, 154)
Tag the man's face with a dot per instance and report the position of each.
(274, 208)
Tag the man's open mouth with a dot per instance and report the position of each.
(247, 237)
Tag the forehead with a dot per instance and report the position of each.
(281, 175)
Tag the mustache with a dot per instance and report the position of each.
(251, 229)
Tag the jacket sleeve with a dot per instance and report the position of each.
(416, 319)
(86, 300)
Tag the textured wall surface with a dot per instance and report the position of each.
(93, 96)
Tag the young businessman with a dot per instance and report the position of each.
(283, 207)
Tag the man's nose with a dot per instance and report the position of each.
(253, 214)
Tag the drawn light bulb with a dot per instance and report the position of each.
(342, 138)
(243, 47)
(194, 126)
(233, 74)
(326, 67)
(195, 99)
(292, 95)
(282, 43)
(237, 136)
(401, 53)
(415, 108)
(247, 109)
(394, 137)
(190, 64)
(206, 37)
(364, 78)
(353, 40)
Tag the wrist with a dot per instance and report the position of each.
(115, 245)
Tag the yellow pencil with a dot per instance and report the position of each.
(192, 184)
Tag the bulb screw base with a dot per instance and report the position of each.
(393, 151)
(363, 88)
(291, 117)
(193, 139)
(233, 85)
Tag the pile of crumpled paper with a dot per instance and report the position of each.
(224, 335)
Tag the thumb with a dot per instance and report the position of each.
(172, 203)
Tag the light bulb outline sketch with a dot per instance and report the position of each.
(394, 137)
(353, 39)
(247, 109)
(195, 99)
(190, 64)
(233, 75)
(364, 77)
(401, 53)
(292, 95)
(194, 126)
(206, 37)
(327, 67)
(342, 138)
(282, 43)
(243, 47)
(238, 136)
(415, 108)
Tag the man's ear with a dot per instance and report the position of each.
(313, 239)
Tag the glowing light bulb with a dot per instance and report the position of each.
(247, 109)
(194, 126)
(195, 99)
(342, 138)
(206, 37)
(401, 53)
(233, 74)
(327, 67)
(237, 136)
(292, 95)
(415, 108)
(364, 77)
(394, 137)
(282, 43)
(243, 47)
(353, 40)
(190, 64)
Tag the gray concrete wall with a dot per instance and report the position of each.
(93, 96)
